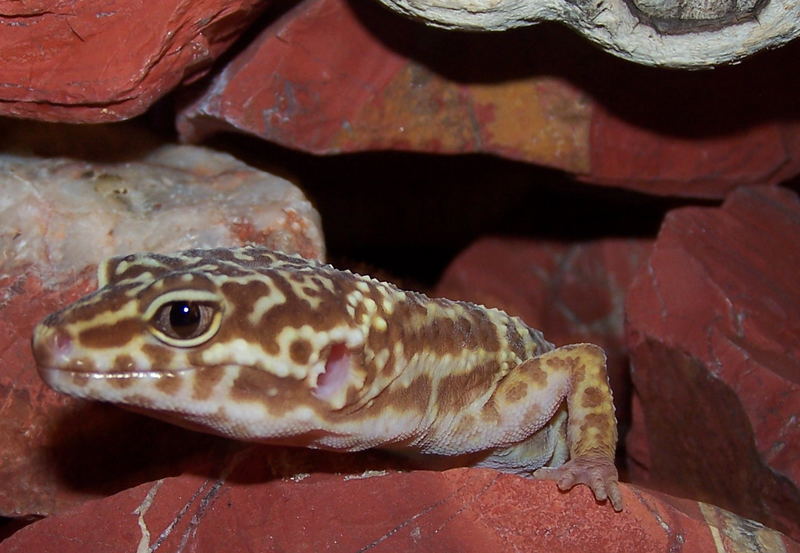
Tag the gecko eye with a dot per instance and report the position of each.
(185, 323)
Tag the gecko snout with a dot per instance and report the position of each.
(51, 346)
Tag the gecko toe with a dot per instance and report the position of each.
(598, 474)
(567, 481)
(599, 489)
(615, 497)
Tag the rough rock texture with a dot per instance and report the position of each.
(59, 218)
(690, 33)
(572, 292)
(465, 510)
(333, 76)
(320, 79)
(714, 332)
(69, 214)
(95, 60)
(645, 158)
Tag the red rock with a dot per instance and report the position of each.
(644, 158)
(334, 76)
(715, 348)
(320, 79)
(59, 218)
(572, 292)
(466, 510)
(88, 61)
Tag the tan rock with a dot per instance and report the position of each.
(63, 215)
(672, 33)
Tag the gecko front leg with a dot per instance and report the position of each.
(535, 392)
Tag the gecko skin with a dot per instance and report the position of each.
(262, 346)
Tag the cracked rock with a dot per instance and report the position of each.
(243, 507)
(713, 325)
(94, 60)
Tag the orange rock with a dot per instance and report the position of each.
(321, 80)
(333, 76)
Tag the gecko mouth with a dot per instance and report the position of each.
(113, 375)
(116, 375)
(72, 381)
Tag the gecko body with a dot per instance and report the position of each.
(261, 346)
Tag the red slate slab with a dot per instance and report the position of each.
(328, 77)
(465, 510)
(94, 60)
(645, 158)
(714, 334)
(573, 292)
(334, 76)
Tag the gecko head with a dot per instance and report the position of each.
(221, 340)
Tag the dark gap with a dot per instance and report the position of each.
(411, 213)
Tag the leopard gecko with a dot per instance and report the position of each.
(262, 346)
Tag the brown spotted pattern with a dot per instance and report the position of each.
(298, 352)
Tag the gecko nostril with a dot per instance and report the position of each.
(62, 343)
(50, 345)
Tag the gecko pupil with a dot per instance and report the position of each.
(184, 318)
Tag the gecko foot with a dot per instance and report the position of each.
(599, 473)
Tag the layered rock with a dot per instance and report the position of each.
(88, 61)
(715, 351)
(333, 76)
(245, 508)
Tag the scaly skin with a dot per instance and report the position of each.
(263, 346)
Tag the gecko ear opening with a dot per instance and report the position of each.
(336, 373)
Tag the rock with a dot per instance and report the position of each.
(468, 510)
(320, 80)
(333, 76)
(53, 209)
(714, 341)
(693, 33)
(59, 218)
(87, 61)
(573, 292)
(646, 151)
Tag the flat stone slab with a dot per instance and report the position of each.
(243, 508)
(333, 76)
